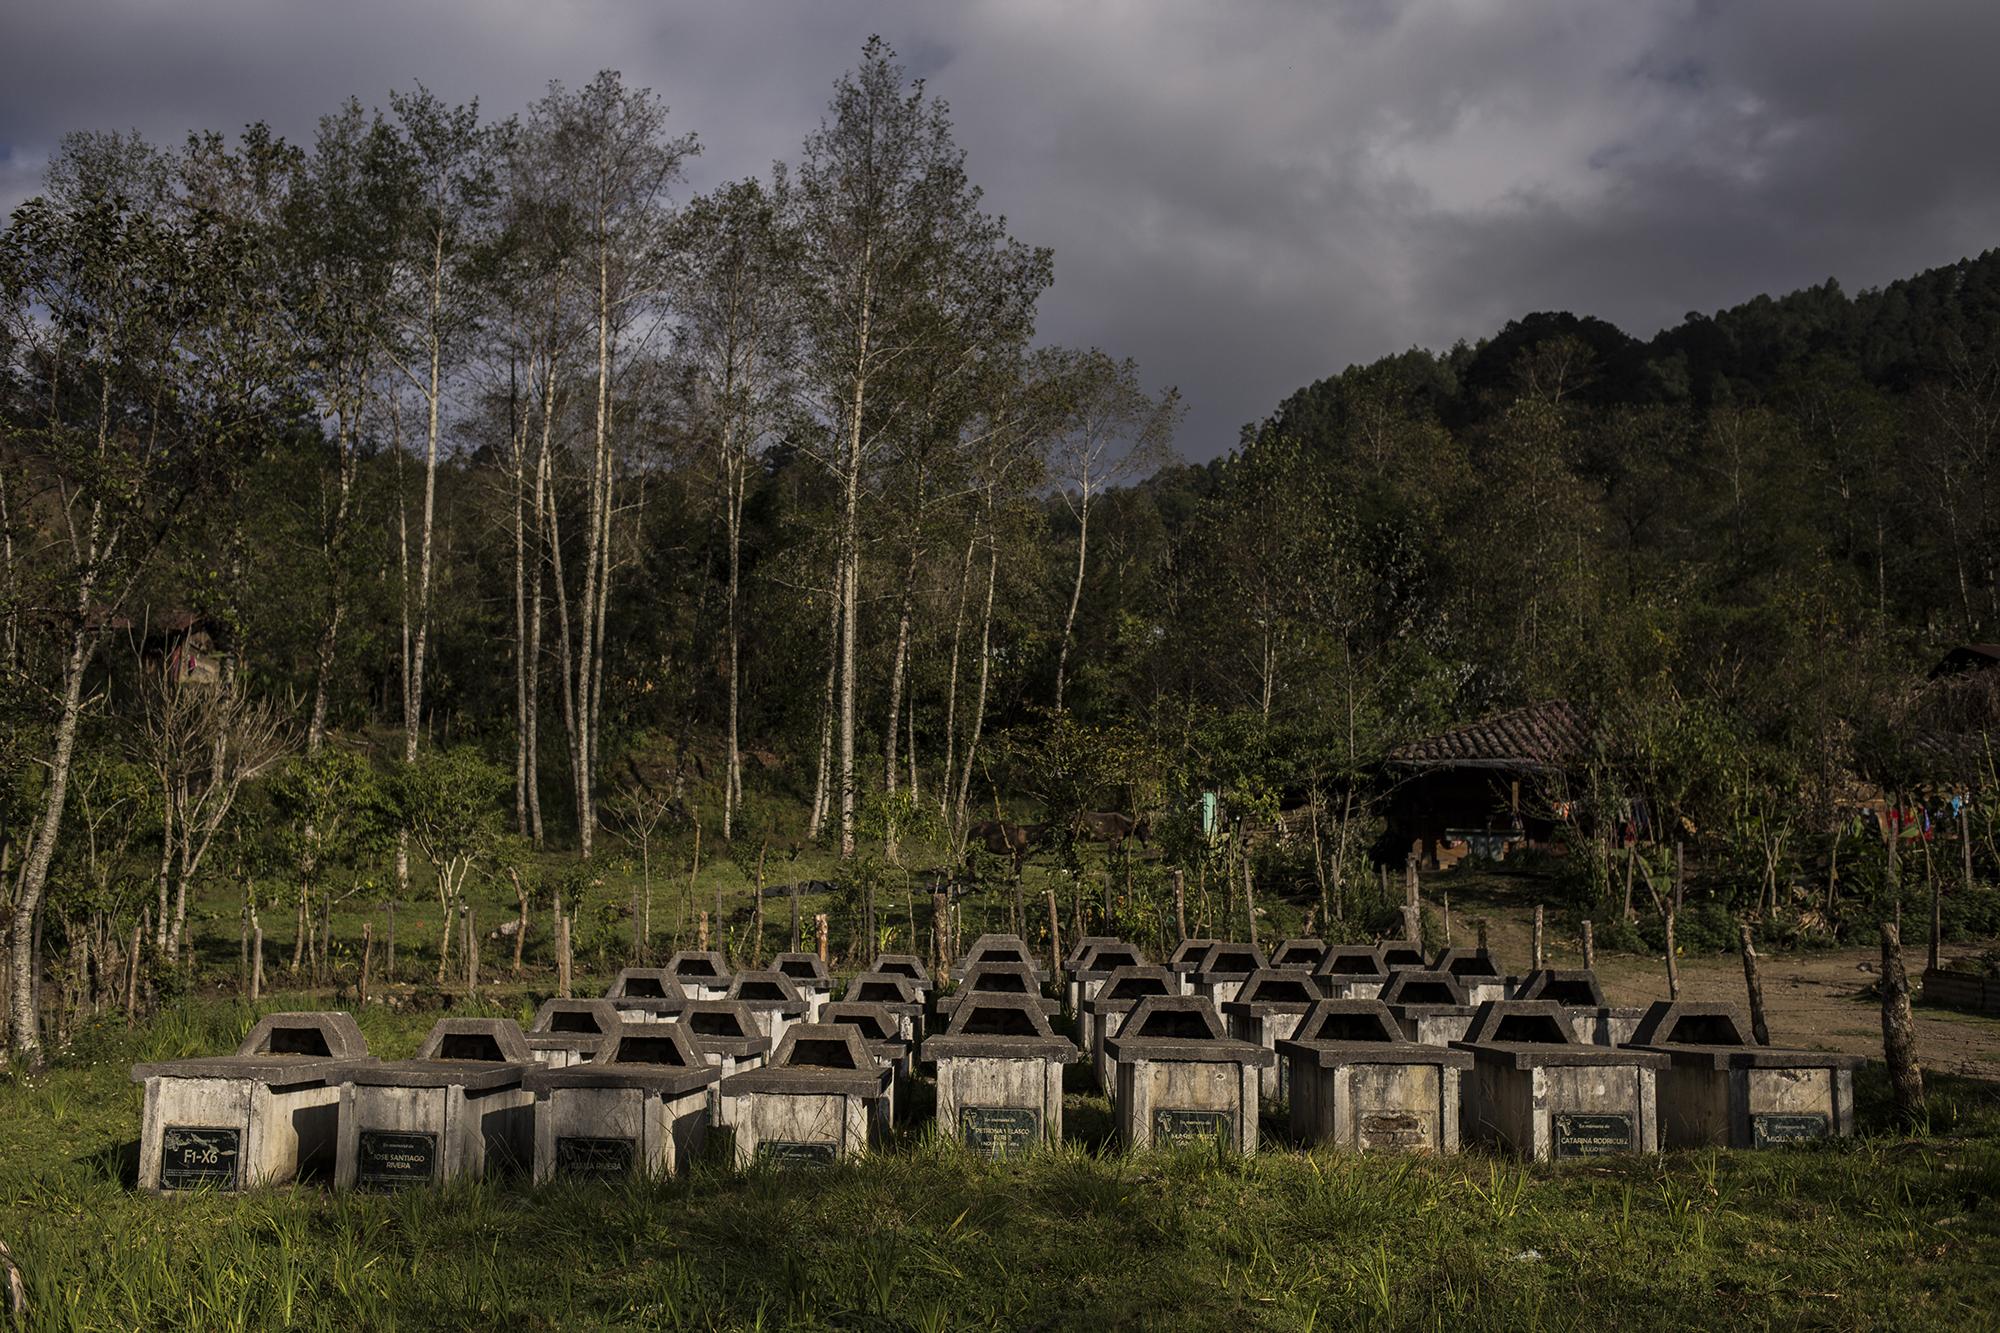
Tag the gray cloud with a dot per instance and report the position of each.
(1246, 196)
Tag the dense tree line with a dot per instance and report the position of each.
(327, 465)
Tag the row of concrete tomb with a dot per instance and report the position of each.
(1368, 1048)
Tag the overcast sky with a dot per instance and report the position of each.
(1246, 195)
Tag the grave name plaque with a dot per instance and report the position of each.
(1595, 1135)
(1770, 1128)
(192, 1156)
(590, 1156)
(999, 1131)
(1177, 1126)
(786, 1155)
(394, 1159)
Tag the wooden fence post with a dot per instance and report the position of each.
(1539, 963)
(1589, 948)
(1754, 984)
(1180, 902)
(1055, 935)
(1673, 964)
(367, 960)
(819, 924)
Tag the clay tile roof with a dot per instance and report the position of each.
(1539, 736)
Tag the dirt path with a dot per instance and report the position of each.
(1818, 1000)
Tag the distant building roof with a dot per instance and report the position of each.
(1967, 657)
(1546, 735)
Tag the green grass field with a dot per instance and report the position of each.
(1888, 1230)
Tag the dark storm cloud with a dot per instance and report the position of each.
(1245, 196)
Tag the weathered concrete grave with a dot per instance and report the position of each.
(1357, 1084)
(1078, 948)
(773, 999)
(1104, 1012)
(1430, 1006)
(1478, 971)
(882, 1032)
(1267, 1007)
(646, 994)
(996, 949)
(640, 1105)
(1224, 968)
(1181, 1079)
(995, 979)
(1303, 953)
(999, 1075)
(702, 973)
(1723, 1090)
(821, 1099)
(458, 1109)
(809, 974)
(1577, 990)
(266, 1115)
(1186, 957)
(1401, 955)
(904, 965)
(898, 994)
(568, 1032)
(727, 1035)
(1536, 1090)
(1093, 966)
(1352, 972)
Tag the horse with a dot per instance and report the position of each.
(1113, 827)
(1003, 839)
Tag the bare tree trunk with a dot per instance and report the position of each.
(23, 1016)
(1899, 1029)
(734, 482)
(951, 688)
(334, 541)
(822, 784)
(979, 702)
(1076, 588)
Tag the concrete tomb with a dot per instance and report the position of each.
(1477, 971)
(568, 1032)
(1267, 1007)
(703, 973)
(1000, 1075)
(1352, 972)
(1089, 969)
(642, 994)
(904, 965)
(1430, 1006)
(898, 994)
(1181, 1079)
(1304, 952)
(1104, 1012)
(1400, 954)
(1187, 956)
(640, 1106)
(809, 974)
(1226, 966)
(882, 1032)
(821, 1099)
(1722, 1090)
(727, 1035)
(458, 1109)
(995, 979)
(773, 999)
(263, 1116)
(996, 949)
(1578, 992)
(1537, 1091)
(1358, 1085)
